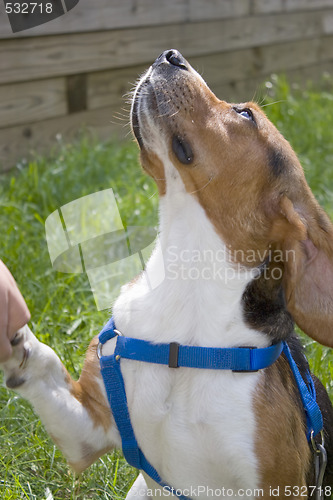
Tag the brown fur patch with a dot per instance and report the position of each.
(234, 159)
(233, 179)
(281, 445)
(87, 389)
(251, 185)
(152, 164)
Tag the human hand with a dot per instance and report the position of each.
(14, 312)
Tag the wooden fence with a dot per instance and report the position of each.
(73, 72)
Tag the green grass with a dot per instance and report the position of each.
(30, 465)
(29, 462)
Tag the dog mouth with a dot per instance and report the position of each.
(139, 106)
(157, 97)
(151, 106)
(135, 120)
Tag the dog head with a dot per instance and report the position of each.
(248, 180)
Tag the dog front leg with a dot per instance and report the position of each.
(76, 415)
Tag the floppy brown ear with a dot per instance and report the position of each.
(307, 243)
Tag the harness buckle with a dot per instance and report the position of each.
(100, 345)
(320, 463)
(246, 371)
(315, 446)
(173, 355)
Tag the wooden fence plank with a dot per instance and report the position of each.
(267, 6)
(108, 87)
(22, 141)
(328, 24)
(105, 15)
(32, 101)
(258, 61)
(215, 9)
(79, 53)
(255, 88)
(272, 6)
(291, 5)
(326, 49)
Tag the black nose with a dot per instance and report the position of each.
(173, 57)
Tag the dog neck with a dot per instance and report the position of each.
(190, 292)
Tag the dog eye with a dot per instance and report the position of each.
(182, 150)
(246, 112)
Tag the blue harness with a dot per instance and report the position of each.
(240, 359)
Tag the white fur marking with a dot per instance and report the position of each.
(197, 427)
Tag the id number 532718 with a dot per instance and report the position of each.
(28, 7)
(305, 491)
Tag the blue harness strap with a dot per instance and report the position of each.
(314, 418)
(175, 355)
(115, 389)
(241, 359)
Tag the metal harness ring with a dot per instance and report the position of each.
(100, 345)
(315, 446)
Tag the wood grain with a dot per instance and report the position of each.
(72, 54)
(99, 15)
(110, 122)
(23, 141)
(32, 101)
(271, 6)
(110, 87)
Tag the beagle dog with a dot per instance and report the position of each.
(246, 252)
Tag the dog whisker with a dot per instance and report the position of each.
(211, 178)
(271, 103)
(155, 193)
(121, 117)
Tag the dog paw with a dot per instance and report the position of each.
(15, 369)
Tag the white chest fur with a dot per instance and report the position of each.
(196, 427)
